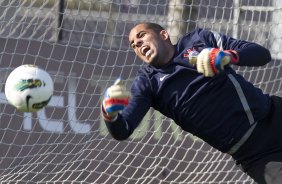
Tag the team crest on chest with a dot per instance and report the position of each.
(190, 53)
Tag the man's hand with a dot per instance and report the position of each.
(211, 61)
(115, 99)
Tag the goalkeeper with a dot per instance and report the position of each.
(192, 83)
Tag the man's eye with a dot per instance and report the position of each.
(141, 35)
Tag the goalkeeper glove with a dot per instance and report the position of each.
(115, 99)
(211, 61)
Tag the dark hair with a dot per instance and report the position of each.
(155, 27)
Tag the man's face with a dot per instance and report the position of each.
(147, 44)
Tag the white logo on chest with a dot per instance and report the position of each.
(163, 77)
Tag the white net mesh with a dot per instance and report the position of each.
(83, 45)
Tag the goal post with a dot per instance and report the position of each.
(84, 47)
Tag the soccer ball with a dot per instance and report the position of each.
(29, 88)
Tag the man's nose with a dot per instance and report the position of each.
(138, 43)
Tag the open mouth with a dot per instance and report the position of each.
(146, 51)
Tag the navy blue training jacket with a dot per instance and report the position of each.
(219, 109)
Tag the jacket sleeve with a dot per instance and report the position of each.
(129, 119)
(250, 53)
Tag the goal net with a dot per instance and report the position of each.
(83, 45)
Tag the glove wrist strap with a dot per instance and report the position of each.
(107, 117)
(234, 56)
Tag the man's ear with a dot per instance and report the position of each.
(164, 34)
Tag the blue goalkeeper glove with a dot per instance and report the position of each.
(115, 99)
(211, 61)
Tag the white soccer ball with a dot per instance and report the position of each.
(29, 88)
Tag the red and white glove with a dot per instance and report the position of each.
(115, 99)
(211, 61)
